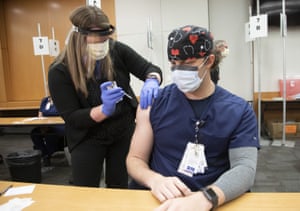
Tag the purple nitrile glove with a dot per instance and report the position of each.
(149, 92)
(110, 96)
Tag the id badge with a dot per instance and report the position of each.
(193, 160)
(48, 106)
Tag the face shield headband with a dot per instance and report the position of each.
(99, 32)
(184, 68)
(188, 68)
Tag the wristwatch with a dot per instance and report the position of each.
(211, 196)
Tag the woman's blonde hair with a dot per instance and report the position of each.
(75, 56)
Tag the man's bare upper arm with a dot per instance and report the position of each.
(142, 139)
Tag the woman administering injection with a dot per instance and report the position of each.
(99, 114)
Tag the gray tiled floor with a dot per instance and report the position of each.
(278, 167)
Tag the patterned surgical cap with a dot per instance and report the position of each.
(189, 42)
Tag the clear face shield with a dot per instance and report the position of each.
(90, 32)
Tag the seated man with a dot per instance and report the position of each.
(196, 147)
(48, 139)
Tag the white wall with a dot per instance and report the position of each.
(132, 18)
(272, 53)
(226, 20)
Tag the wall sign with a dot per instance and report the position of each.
(258, 26)
(40, 46)
(96, 3)
(53, 47)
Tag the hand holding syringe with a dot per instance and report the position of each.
(114, 84)
(111, 94)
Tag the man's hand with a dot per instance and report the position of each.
(195, 201)
(164, 188)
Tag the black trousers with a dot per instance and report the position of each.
(48, 139)
(88, 158)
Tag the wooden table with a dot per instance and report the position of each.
(30, 121)
(19, 110)
(272, 110)
(14, 122)
(58, 197)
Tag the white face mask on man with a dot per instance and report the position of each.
(98, 51)
(186, 77)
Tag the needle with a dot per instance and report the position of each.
(114, 84)
(127, 95)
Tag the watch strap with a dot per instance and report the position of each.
(154, 76)
(211, 196)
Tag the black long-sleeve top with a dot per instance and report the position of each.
(75, 108)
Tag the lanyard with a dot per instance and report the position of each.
(198, 125)
(199, 121)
